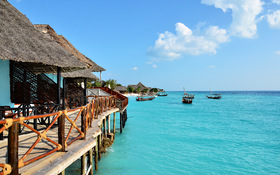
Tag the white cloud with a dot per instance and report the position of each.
(154, 66)
(276, 1)
(244, 14)
(212, 67)
(277, 52)
(274, 19)
(134, 68)
(171, 46)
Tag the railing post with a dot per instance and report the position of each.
(83, 122)
(61, 132)
(13, 148)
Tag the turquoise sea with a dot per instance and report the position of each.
(238, 134)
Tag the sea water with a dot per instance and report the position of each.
(237, 134)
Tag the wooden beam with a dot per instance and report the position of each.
(109, 123)
(64, 93)
(13, 148)
(96, 155)
(90, 161)
(121, 118)
(84, 123)
(58, 86)
(61, 132)
(85, 91)
(83, 164)
(99, 147)
(114, 125)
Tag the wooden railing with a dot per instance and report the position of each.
(122, 98)
(52, 135)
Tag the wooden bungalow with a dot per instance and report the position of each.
(26, 55)
(74, 93)
(22, 45)
(121, 89)
(139, 85)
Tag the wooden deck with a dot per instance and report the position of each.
(57, 161)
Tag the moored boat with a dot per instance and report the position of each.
(214, 96)
(162, 94)
(144, 98)
(186, 99)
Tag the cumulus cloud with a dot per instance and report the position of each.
(212, 67)
(154, 66)
(244, 15)
(134, 68)
(171, 46)
(274, 19)
(277, 52)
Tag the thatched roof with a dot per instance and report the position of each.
(80, 74)
(120, 88)
(22, 42)
(142, 87)
(50, 33)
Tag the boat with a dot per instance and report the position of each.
(162, 94)
(214, 96)
(145, 98)
(187, 98)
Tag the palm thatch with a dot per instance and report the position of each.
(20, 41)
(50, 33)
(80, 74)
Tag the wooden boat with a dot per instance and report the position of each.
(187, 99)
(144, 98)
(214, 96)
(162, 94)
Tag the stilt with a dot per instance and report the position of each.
(114, 125)
(121, 118)
(105, 127)
(90, 162)
(83, 164)
(96, 155)
(99, 147)
(109, 123)
(62, 172)
(102, 132)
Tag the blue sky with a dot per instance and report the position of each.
(171, 44)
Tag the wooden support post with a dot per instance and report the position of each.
(90, 161)
(83, 164)
(83, 122)
(99, 147)
(114, 125)
(101, 127)
(121, 118)
(62, 172)
(96, 155)
(13, 148)
(58, 87)
(105, 127)
(64, 94)
(109, 123)
(85, 91)
(61, 132)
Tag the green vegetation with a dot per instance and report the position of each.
(130, 89)
(154, 90)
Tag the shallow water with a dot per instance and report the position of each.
(238, 134)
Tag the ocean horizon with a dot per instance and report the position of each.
(237, 134)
